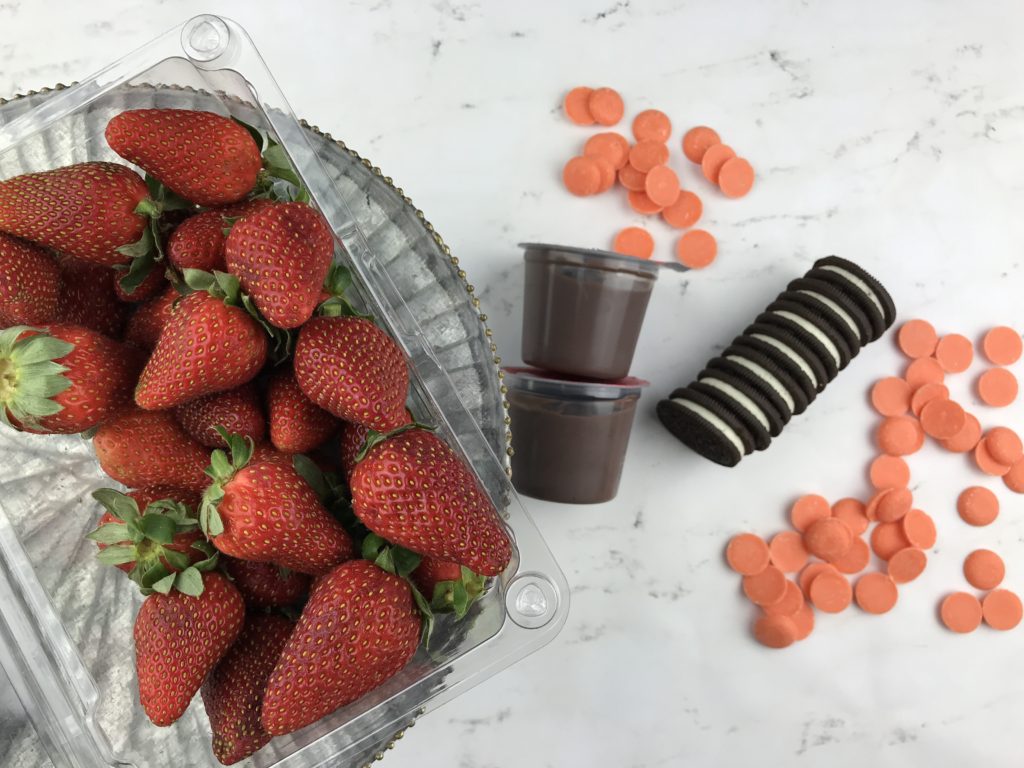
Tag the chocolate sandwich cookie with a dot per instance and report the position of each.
(737, 388)
(863, 280)
(806, 357)
(834, 319)
(705, 426)
(773, 374)
(872, 310)
(817, 326)
(781, 359)
(839, 303)
(743, 373)
(812, 342)
(752, 418)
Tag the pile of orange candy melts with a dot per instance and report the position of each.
(809, 568)
(641, 167)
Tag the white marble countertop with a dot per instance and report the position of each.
(888, 132)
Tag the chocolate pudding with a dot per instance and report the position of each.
(569, 438)
(583, 309)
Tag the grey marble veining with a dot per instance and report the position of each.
(890, 133)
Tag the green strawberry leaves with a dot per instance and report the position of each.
(30, 376)
(458, 596)
(223, 466)
(333, 494)
(143, 538)
(277, 168)
(148, 250)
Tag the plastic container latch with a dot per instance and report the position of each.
(205, 37)
(531, 600)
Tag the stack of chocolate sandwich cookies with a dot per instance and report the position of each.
(778, 365)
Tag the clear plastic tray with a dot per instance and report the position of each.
(65, 621)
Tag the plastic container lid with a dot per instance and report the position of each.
(557, 385)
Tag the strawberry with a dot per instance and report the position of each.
(364, 626)
(153, 527)
(237, 411)
(140, 448)
(63, 378)
(260, 508)
(296, 424)
(179, 638)
(281, 255)
(88, 297)
(198, 242)
(87, 210)
(265, 585)
(416, 492)
(233, 693)
(351, 368)
(353, 436)
(147, 322)
(29, 283)
(201, 156)
(206, 346)
(152, 285)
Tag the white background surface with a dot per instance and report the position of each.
(886, 132)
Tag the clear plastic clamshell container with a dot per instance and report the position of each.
(65, 620)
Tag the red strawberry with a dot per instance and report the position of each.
(265, 585)
(152, 284)
(237, 410)
(147, 322)
(140, 448)
(365, 628)
(233, 693)
(260, 508)
(447, 586)
(88, 297)
(198, 242)
(281, 256)
(85, 210)
(64, 379)
(204, 157)
(206, 346)
(179, 639)
(352, 438)
(296, 424)
(130, 539)
(416, 492)
(351, 368)
(29, 283)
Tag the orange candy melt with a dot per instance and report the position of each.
(961, 612)
(713, 160)
(1002, 345)
(684, 212)
(876, 593)
(917, 338)
(576, 106)
(652, 125)
(662, 185)
(696, 142)
(634, 241)
(997, 387)
(605, 106)
(735, 177)
(696, 249)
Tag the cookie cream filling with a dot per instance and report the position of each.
(727, 432)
